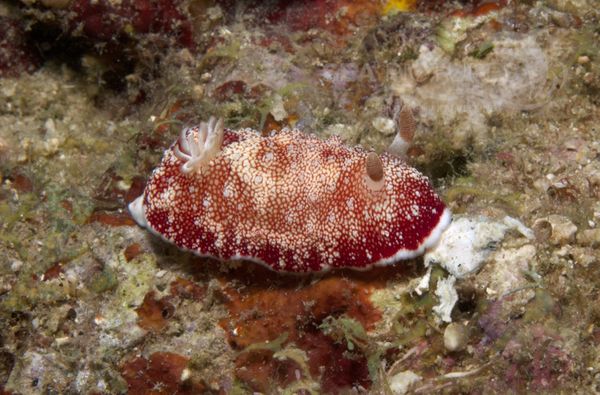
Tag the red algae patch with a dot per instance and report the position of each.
(111, 219)
(153, 313)
(338, 16)
(271, 309)
(53, 271)
(160, 374)
(21, 181)
(103, 20)
(186, 289)
(259, 315)
(16, 55)
(132, 251)
(339, 368)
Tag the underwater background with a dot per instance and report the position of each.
(505, 96)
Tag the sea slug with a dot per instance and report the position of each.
(290, 201)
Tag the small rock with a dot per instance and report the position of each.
(423, 283)
(447, 297)
(508, 269)
(467, 243)
(16, 265)
(455, 337)
(384, 125)
(185, 375)
(347, 133)
(592, 173)
(588, 78)
(401, 383)
(589, 237)
(583, 256)
(542, 184)
(558, 229)
(198, 91)
(424, 66)
(60, 341)
(214, 13)
(278, 109)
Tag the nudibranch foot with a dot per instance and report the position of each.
(198, 147)
(136, 209)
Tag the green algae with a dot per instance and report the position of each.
(28, 292)
(482, 51)
(469, 186)
(118, 317)
(136, 279)
(345, 329)
(15, 242)
(408, 54)
(22, 210)
(301, 359)
(272, 345)
(451, 31)
(540, 308)
(104, 280)
(226, 52)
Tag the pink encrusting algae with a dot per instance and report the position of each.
(289, 200)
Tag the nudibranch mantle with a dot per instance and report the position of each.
(290, 201)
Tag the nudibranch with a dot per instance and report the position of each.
(290, 201)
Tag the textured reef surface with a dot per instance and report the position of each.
(505, 97)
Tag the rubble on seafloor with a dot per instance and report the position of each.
(505, 97)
